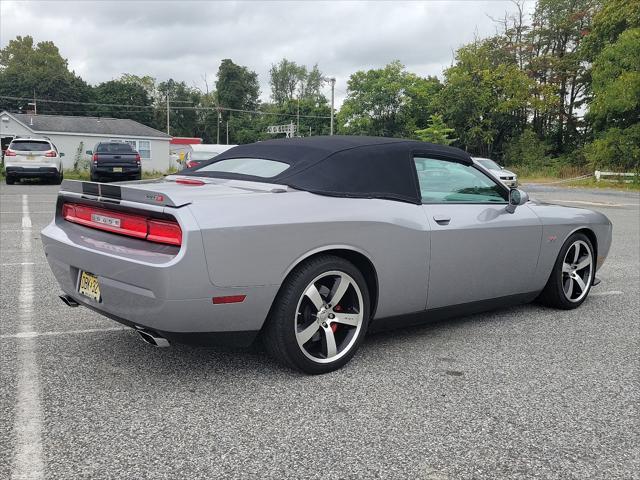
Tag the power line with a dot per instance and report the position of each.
(213, 109)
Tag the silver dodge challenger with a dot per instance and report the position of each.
(308, 243)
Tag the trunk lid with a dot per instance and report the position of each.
(168, 191)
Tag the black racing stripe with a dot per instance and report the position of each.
(90, 188)
(111, 191)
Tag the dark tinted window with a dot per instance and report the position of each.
(30, 146)
(114, 148)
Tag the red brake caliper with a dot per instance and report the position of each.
(334, 326)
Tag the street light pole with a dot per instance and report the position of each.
(168, 113)
(333, 89)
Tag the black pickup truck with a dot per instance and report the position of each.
(114, 161)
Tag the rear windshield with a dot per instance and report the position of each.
(114, 148)
(30, 146)
(256, 167)
(200, 156)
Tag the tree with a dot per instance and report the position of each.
(556, 63)
(237, 88)
(183, 102)
(290, 81)
(385, 102)
(118, 92)
(614, 112)
(28, 70)
(486, 98)
(436, 132)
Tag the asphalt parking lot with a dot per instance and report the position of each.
(525, 392)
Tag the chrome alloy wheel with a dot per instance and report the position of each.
(329, 317)
(577, 271)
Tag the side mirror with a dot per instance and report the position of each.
(517, 197)
(61, 154)
(89, 152)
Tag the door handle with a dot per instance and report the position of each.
(442, 219)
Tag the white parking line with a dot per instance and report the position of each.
(21, 263)
(594, 204)
(27, 461)
(605, 294)
(62, 332)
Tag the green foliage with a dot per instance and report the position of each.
(616, 82)
(385, 102)
(290, 81)
(121, 92)
(528, 150)
(27, 70)
(616, 149)
(436, 132)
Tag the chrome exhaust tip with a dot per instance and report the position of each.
(152, 338)
(69, 301)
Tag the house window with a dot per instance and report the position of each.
(144, 148)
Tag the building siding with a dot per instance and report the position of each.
(75, 146)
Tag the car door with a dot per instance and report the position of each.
(479, 250)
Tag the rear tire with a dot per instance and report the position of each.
(319, 317)
(572, 275)
(58, 178)
(94, 178)
(10, 180)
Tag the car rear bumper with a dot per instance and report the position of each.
(109, 170)
(162, 288)
(16, 171)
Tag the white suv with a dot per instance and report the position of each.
(32, 158)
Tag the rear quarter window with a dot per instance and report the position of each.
(255, 167)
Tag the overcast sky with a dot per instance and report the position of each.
(186, 40)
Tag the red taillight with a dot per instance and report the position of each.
(162, 231)
(95, 158)
(138, 226)
(50, 154)
(9, 153)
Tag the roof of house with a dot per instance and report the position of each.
(87, 125)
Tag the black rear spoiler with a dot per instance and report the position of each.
(115, 193)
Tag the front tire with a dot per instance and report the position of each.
(10, 180)
(572, 275)
(319, 317)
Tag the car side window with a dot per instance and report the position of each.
(450, 182)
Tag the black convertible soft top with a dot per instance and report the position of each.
(345, 166)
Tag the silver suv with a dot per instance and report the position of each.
(32, 158)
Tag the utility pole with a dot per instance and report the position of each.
(218, 129)
(333, 89)
(332, 80)
(227, 132)
(168, 113)
(34, 103)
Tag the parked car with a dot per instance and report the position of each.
(507, 177)
(311, 242)
(202, 153)
(114, 161)
(33, 158)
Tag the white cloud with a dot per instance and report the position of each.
(184, 40)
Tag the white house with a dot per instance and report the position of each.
(73, 136)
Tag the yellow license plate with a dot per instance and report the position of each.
(30, 157)
(117, 169)
(89, 286)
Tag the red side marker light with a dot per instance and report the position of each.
(228, 299)
(189, 181)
